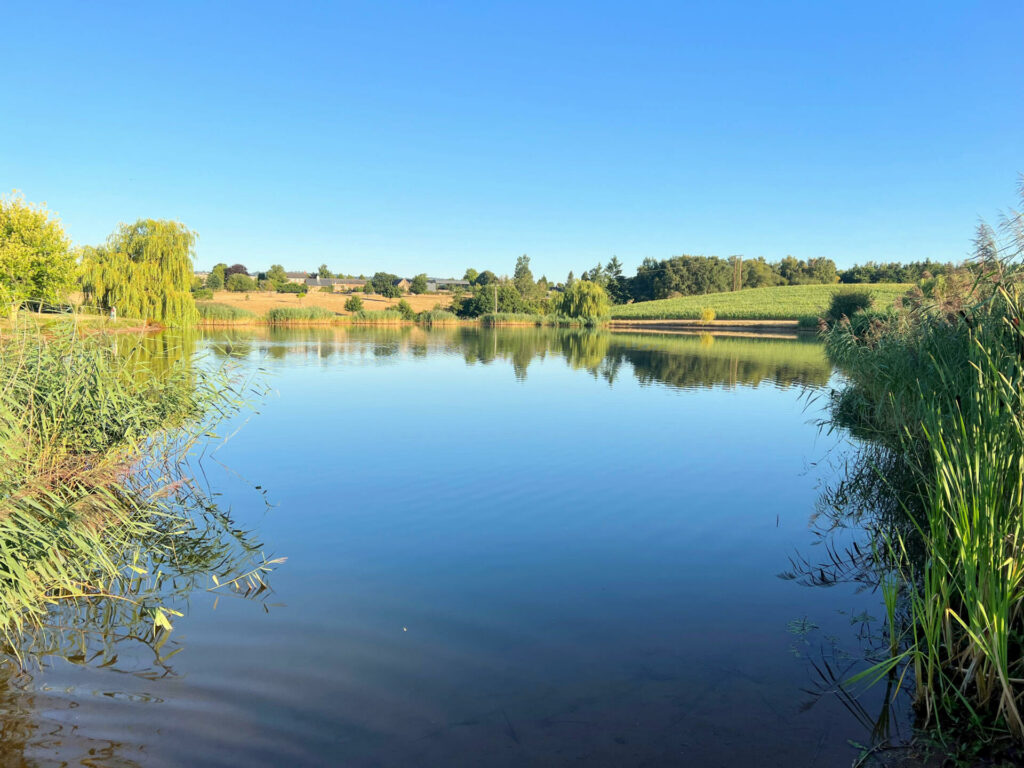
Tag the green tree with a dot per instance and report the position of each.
(368, 287)
(471, 276)
(234, 269)
(35, 259)
(215, 280)
(277, 275)
(323, 271)
(419, 284)
(384, 284)
(353, 304)
(523, 278)
(616, 284)
(240, 283)
(584, 299)
(485, 278)
(143, 271)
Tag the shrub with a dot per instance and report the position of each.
(707, 315)
(354, 304)
(849, 303)
(292, 288)
(326, 289)
(202, 293)
(405, 310)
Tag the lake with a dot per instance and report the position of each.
(504, 547)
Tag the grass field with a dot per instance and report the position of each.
(788, 302)
(259, 303)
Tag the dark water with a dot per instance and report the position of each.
(516, 548)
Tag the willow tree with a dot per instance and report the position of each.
(143, 271)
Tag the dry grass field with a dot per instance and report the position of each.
(260, 302)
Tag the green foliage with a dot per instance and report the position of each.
(215, 281)
(291, 288)
(707, 315)
(323, 271)
(405, 310)
(485, 278)
(283, 315)
(353, 304)
(202, 294)
(437, 316)
(894, 272)
(35, 260)
(482, 301)
(419, 284)
(471, 276)
(239, 283)
(277, 275)
(584, 300)
(384, 285)
(214, 311)
(143, 271)
(787, 302)
(326, 289)
(234, 269)
(368, 287)
(848, 303)
(522, 277)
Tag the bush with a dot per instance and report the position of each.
(354, 304)
(299, 314)
(326, 289)
(215, 281)
(707, 315)
(849, 303)
(405, 310)
(240, 283)
(292, 288)
(202, 293)
(213, 311)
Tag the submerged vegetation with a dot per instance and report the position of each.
(940, 385)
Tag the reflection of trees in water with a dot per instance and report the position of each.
(677, 361)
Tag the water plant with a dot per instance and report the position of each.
(314, 314)
(215, 312)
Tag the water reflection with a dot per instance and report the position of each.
(678, 361)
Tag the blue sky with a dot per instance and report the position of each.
(429, 137)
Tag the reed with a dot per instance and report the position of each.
(215, 312)
(378, 317)
(313, 314)
(89, 432)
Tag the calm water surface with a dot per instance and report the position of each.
(506, 548)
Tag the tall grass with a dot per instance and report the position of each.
(215, 312)
(943, 390)
(282, 315)
(437, 317)
(89, 429)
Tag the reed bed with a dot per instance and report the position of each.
(89, 501)
(379, 317)
(311, 314)
(215, 312)
(942, 389)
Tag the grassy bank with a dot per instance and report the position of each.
(941, 388)
(791, 302)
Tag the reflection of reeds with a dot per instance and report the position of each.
(90, 503)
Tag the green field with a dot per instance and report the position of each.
(787, 302)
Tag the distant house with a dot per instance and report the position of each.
(401, 283)
(445, 284)
(201, 275)
(339, 282)
(297, 277)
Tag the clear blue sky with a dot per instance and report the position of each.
(436, 136)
